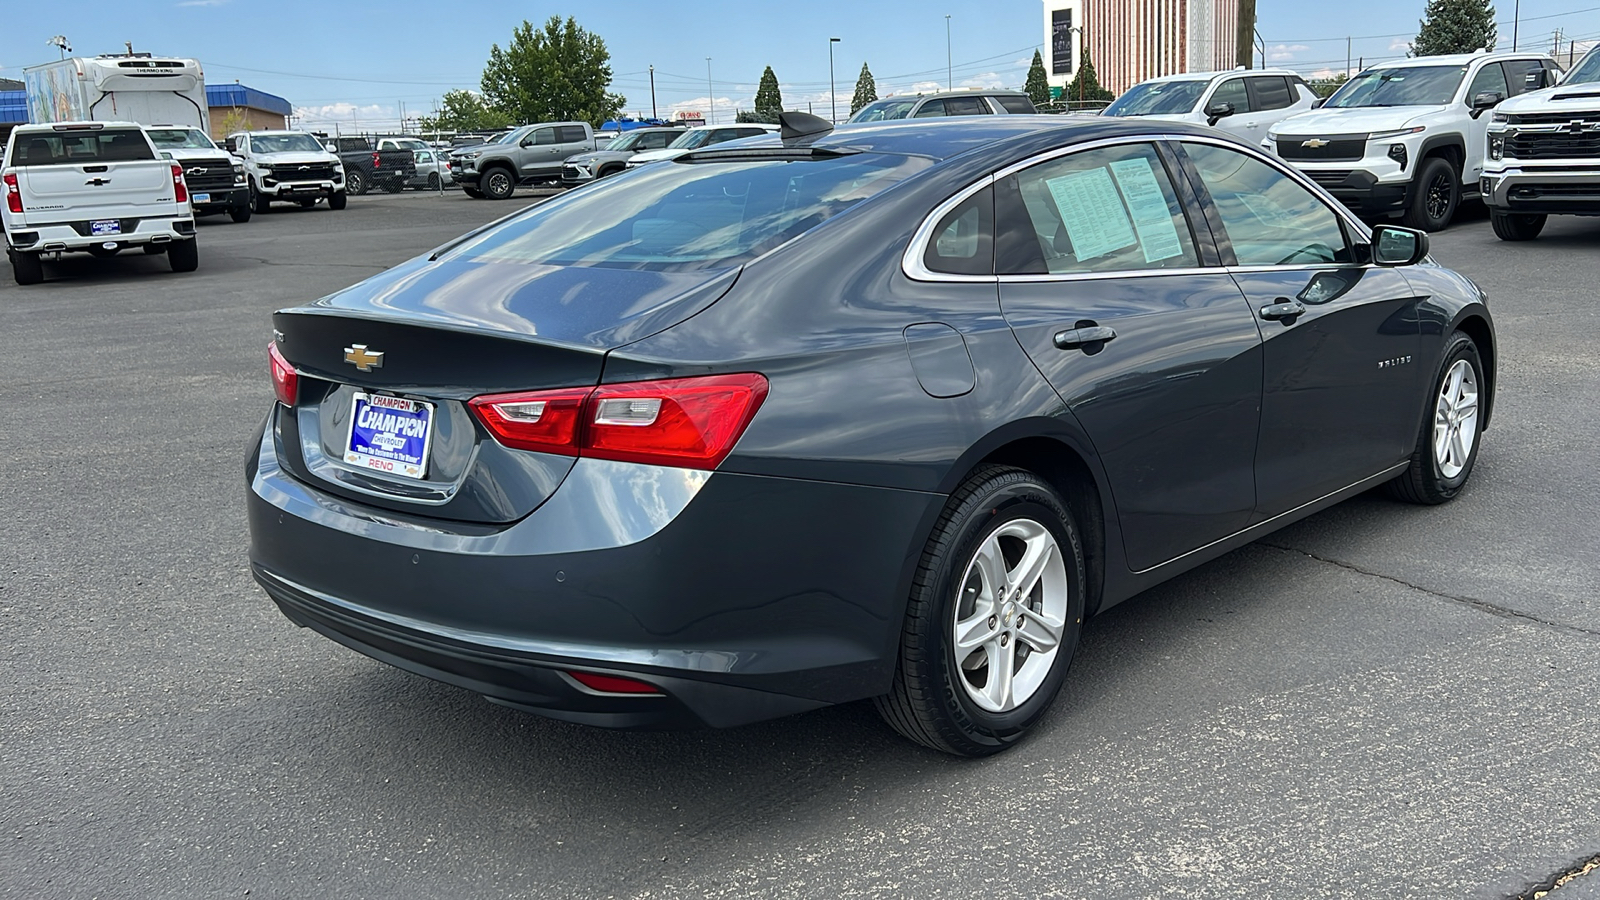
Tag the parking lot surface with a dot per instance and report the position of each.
(1382, 700)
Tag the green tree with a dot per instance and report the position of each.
(1324, 87)
(866, 90)
(1455, 26)
(1087, 85)
(1038, 84)
(556, 73)
(769, 100)
(464, 111)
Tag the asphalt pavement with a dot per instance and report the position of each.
(1382, 700)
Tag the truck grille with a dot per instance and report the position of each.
(1553, 145)
(208, 175)
(1337, 147)
(1552, 118)
(302, 172)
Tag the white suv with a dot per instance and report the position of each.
(1408, 137)
(1544, 155)
(1244, 102)
(701, 136)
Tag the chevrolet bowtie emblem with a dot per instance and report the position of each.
(363, 359)
(1315, 143)
(197, 170)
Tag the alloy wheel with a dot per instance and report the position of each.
(1455, 419)
(1439, 196)
(1009, 615)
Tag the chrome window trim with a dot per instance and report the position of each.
(911, 261)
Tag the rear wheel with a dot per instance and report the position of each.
(26, 268)
(184, 255)
(433, 182)
(1447, 446)
(1514, 227)
(1434, 196)
(498, 184)
(239, 213)
(355, 182)
(993, 619)
(337, 201)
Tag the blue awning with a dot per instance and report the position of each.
(13, 107)
(248, 97)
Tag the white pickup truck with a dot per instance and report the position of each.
(93, 187)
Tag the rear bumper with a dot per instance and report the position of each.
(740, 597)
(70, 237)
(1543, 191)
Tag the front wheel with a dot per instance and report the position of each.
(1447, 446)
(239, 213)
(993, 619)
(260, 202)
(184, 255)
(1434, 196)
(26, 268)
(1516, 227)
(337, 201)
(498, 184)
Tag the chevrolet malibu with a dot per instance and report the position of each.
(882, 411)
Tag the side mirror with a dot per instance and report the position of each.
(1485, 100)
(1395, 246)
(1317, 103)
(1218, 111)
(231, 145)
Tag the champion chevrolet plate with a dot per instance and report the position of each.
(390, 434)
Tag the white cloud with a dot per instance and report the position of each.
(1398, 44)
(350, 114)
(1284, 52)
(986, 80)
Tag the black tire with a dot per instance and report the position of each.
(1516, 227)
(338, 201)
(26, 268)
(930, 700)
(239, 213)
(261, 202)
(434, 184)
(1425, 481)
(355, 182)
(184, 256)
(498, 183)
(308, 202)
(1434, 196)
(154, 249)
(608, 170)
(472, 192)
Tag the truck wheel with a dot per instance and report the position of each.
(1434, 196)
(337, 201)
(261, 202)
(26, 268)
(498, 184)
(184, 255)
(239, 213)
(355, 183)
(472, 192)
(1513, 227)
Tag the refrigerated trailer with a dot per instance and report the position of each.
(122, 88)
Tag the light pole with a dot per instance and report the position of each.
(1516, 23)
(653, 113)
(711, 99)
(832, 88)
(949, 80)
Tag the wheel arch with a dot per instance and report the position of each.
(1477, 327)
(1452, 147)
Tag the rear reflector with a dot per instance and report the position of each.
(285, 380)
(611, 684)
(683, 422)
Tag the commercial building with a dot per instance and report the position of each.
(1132, 40)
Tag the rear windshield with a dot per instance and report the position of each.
(73, 147)
(1404, 86)
(884, 110)
(1157, 98)
(690, 215)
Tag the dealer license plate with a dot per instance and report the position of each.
(105, 226)
(389, 434)
(202, 198)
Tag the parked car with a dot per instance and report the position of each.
(432, 169)
(1544, 154)
(698, 137)
(527, 155)
(1244, 102)
(215, 177)
(289, 166)
(1408, 137)
(92, 187)
(710, 444)
(946, 103)
(368, 166)
(586, 167)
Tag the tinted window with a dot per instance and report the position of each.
(884, 110)
(930, 109)
(1270, 219)
(542, 137)
(1105, 210)
(748, 132)
(110, 145)
(655, 140)
(1490, 78)
(1231, 91)
(1272, 92)
(571, 134)
(1157, 98)
(1406, 86)
(1518, 71)
(1016, 105)
(963, 241)
(689, 216)
(967, 106)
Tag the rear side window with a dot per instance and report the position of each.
(1271, 92)
(930, 109)
(571, 134)
(963, 241)
(967, 106)
(1021, 106)
(74, 147)
(1106, 210)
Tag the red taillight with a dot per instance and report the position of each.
(178, 186)
(611, 684)
(685, 422)
(375, 164)
(285, 380)
(13, 194)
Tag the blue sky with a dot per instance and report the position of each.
(358, 63)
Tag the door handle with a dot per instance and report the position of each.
(1077, 338)
(1285, 310)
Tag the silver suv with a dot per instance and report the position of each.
(948, 103)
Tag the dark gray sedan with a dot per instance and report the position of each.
(877, 412)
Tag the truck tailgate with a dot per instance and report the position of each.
(109, 190)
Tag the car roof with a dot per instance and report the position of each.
(961, 92)
(1454, 59)
(51, 127)
(1211, 76)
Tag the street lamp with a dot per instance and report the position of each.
(711, 98)
(833, 100)
(653, 113)
(949, 80)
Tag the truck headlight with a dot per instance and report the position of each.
(1499, 117)
(1497, 146)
